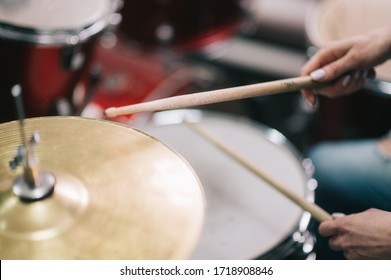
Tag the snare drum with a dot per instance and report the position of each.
(330, 20)
(245, 217)
(44, 46)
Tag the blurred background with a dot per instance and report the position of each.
(78, 58)
(149, 49)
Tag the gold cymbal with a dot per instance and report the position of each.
(119, 194)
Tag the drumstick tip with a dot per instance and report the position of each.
(111, 112)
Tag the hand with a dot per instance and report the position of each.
(385, 146)
(345, 63)
(366, 235)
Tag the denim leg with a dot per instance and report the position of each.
(352, 176)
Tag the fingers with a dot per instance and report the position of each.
(351, 254)
(329, 228)
(309, 97)
(327, 56)
(334, 69)
(344, 85)
(334, 64)
(337, 244)
(338, 215)
(338, 241)
(354, 255)
(334, 243)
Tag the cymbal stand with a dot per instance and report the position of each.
(33, 184)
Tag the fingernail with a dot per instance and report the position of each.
(338, 215)
(311, 101)
(346, 81)
(318, 74)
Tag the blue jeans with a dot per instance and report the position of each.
(352, 176)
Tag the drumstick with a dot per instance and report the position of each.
(317, 212)
(215, 96)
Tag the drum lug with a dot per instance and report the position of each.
(72, 58)
(312, 183)
(308, 167)
(305, 242)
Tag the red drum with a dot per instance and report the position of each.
(44, 46)
(130, 77)
(187, 23)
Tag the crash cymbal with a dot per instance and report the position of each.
(119, 194)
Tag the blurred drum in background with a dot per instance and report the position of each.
(44, 47)
(129, 76)
(330, 20)
(279, 21)
(186, 24)
(245, 217)
(353, 115)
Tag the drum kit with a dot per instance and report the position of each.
(118, 194)
(77, 184)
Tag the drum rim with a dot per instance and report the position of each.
(52, 37)
(67, 36)
(195, 115)
(271, 134)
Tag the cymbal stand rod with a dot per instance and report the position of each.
(31, 170)
(34, 184)
(16, 93)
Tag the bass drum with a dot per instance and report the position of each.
(44, 47)
(245, 217)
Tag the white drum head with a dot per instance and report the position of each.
(331, 20)
(245, 217)
(51, 16)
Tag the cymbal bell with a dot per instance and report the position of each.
(119, 194)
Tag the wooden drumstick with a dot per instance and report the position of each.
(317, 212)
(215, 96)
